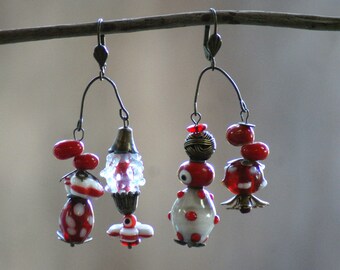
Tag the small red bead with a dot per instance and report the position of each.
(197, 128)
(216, 219)
(191, 215)
(240, 134)
(180, 236)
(180, 194)
(86, 161)
(67, 149)
(201, 194)
(169, 215)
(195, 237)
(255, 151)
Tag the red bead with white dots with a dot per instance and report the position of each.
(76, 221)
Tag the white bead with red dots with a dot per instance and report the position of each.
(193, 216)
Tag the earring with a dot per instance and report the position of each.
(244, 176)
(124, 174)
(77, 218)
(193, 214)
(124, 168)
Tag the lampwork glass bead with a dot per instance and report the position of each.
(196, 174)
(255, 151)
(76, 221)
(240, 134)
(86, 161)
(67, 149)
(244, 177)
(193, 217)
(123, 172)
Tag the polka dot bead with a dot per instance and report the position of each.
(76, 220)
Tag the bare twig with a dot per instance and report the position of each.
(260, 18)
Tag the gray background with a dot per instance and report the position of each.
(289, 79)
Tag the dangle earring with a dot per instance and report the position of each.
(124, 166)
(193, 214)
(123, 171)
(77, 218)
(243, 176)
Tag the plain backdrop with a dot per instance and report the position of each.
(288, 78)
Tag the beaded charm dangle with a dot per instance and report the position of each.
(244, 176)
(77, 218)
(193, 214)
(124, 168)
(124, 174)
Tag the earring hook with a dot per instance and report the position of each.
(212, 43)
(100, 51)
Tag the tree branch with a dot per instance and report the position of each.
(260, 18)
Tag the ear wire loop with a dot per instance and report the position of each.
(123, 113)
(211, 46)
(196, 116)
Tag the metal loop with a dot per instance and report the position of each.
(100, 36)
(243, 105)
(214, 12)
(196, 118)
(82, 134)
(124, 114)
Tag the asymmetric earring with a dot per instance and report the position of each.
(193, 214)
(123, 172)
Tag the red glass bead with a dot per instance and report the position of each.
(195, 237)
(180, 194)
(180, 236)
(191, 215)
(130, 221)
(216, 219)
(201, 194)
(86, 161)
(255, 151)
(76, 220)
(197, 128)
(240, 134)
(67, 149)
(244, 177)
(196, 174)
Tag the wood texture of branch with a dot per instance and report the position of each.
(260, 18)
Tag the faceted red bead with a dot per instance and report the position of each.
(86, 161)
(197, 128)
(244, 177)
(68, 149)
(216, 219)
(240, 134)
(255, 151)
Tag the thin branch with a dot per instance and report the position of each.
(260, 18)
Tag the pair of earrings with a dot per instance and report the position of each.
(193, 214)
(123, 173)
